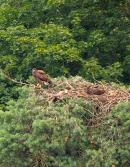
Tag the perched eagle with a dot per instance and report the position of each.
(41, 77)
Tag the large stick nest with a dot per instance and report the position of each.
(104, 96)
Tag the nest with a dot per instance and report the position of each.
(104, 96)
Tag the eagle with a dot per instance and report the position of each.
(41, 77)
(95, 90)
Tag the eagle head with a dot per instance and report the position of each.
(34, 70)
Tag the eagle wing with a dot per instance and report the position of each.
(41, 71)
(43, 76)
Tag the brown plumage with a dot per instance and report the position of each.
(41, 77)
(95, 90)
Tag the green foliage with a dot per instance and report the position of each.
(34, 133)
(90, 38)
(94, 71)
(61, 36)
(112, 139)
(86, 37)
(8, 90)
(49, 46)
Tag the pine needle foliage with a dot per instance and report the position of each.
(35, 132)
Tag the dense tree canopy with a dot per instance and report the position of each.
(71, 37)
(90, 38)
(37, 132)
(65, 37)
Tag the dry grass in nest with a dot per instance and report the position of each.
(104, 96)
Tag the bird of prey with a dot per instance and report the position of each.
(41, 77)
(95, 90)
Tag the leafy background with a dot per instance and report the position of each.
(90, 38)
(71, 37)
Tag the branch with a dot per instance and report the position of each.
(15, 81)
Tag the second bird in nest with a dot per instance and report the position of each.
(95, 90)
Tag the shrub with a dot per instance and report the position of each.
(112, 139)
(38, 133)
